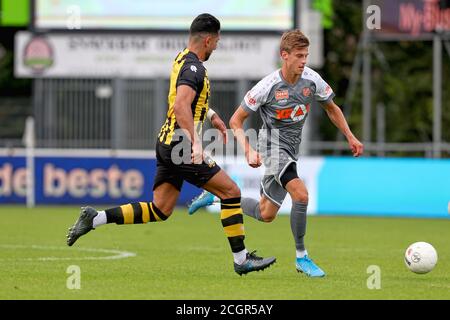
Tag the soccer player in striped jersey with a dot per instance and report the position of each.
(188, 106)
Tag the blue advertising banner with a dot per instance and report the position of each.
(13, 180)
(83, 180)
(390, 187)
(93, 180)
(342, 186)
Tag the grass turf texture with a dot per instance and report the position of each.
(188, 257)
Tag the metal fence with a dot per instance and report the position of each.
(112, 113)
(13, 113)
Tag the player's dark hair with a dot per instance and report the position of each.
(204, 23)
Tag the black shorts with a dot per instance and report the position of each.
(175, 174)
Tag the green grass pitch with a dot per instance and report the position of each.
(188, 257)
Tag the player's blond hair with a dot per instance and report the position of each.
(294, 39)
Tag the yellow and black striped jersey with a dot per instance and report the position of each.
(188, 70)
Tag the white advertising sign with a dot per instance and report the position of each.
(138, 56)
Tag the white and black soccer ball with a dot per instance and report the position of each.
(421, 257)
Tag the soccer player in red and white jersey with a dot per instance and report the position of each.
(283, 99)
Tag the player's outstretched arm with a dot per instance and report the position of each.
(237, 125)
(337, 117)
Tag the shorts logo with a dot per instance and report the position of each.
(306, 92)
(194, 68)
(281, 95)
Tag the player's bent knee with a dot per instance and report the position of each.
(268, 219)
(233, 191)
(300, 197)
(268, 216)
(268, 210)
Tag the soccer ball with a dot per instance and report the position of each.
(421, 257)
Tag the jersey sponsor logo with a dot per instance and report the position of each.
(281, 95)
(296, 113)
(306, 92)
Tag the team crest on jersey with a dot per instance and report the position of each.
(250, 99)
(306, 92)
(281, 95)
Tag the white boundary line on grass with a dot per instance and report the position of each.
(116, 253)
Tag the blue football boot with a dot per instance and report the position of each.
(203, 200)
(308, 267)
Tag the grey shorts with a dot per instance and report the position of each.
(271, 186)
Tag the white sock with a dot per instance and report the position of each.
(239, 257)
(99, 219)
(301, 253)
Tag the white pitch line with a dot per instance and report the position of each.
(116, 253)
